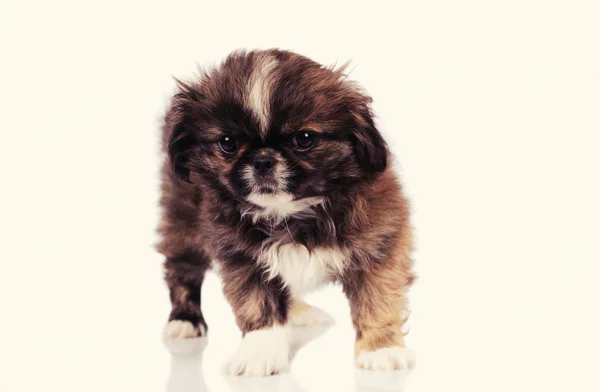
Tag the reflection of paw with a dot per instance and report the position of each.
(181, 329)
(386, 359)
(304, 315)
(261, 353)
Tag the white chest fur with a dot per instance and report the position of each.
(301, 270)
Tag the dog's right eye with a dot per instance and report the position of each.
(228, 144)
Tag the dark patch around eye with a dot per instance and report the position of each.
(232, 116)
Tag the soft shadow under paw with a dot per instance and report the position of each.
(283, 383)
(301, 336)
(186, 365)
(369, 381)
(188, 347)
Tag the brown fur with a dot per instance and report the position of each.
(206, 215)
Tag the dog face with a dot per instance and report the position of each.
(275, 129)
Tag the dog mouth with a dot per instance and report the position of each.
(273, 200)
(267, 185)
(280, 205)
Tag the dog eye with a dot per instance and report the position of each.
(228, 144)
(305, 140)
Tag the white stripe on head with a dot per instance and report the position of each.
(258, 94)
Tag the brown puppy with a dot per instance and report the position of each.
(276, 172)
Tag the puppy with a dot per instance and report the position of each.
(276, 173)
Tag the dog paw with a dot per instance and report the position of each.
(386, 359)
(261, 353)
(181, 329)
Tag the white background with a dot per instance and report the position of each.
(492, 109)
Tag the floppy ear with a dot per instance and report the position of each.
(181, 139)
(369, 146)
(179, 145)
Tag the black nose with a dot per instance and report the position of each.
(263, 164)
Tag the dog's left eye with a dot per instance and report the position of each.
(305, 140)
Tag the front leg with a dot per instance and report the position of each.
(261, 310)
(377, 301)
(184, 275)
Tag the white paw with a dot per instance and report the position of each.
(310, 316)
(386, 359)
(261, 353)
(180, 329)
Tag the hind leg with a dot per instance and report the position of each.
(304, 315)
(184, 276)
